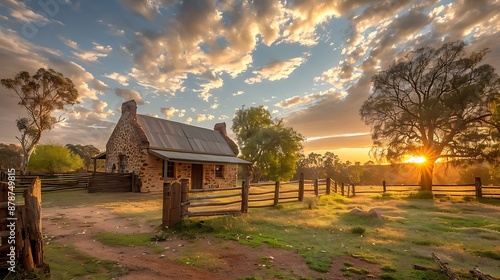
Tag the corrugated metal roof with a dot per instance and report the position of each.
(196, 158)
(169, 135)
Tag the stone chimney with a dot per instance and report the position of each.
(221, 128)
(130, 107)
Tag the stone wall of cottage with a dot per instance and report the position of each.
(124, 141)
(228, 180)
(151, 174)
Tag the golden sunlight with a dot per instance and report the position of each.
(416, 159)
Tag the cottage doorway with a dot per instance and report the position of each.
(196, 176)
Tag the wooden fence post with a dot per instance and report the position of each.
(33, 226)
(184, 197)
(175, 210)
(478, 185)
(384, 189)
(245, 187)
(335, 186)
(167, 204)
(3, 211)
(276, 193)
(316, 187)
(353, 190)
(301, 187)
(328, 185)
(342, 189)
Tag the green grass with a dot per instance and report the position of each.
(465, 233)
(66, 262)
(410, 231)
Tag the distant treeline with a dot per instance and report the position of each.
(51, 157)
(329, 165)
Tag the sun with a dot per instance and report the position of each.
(416, 159)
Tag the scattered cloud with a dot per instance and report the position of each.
(129, 94)
(204, 117)
(170, 112)
(122, 79)
(276, 70)
(239, 92)
(306, 99)
(69, 43)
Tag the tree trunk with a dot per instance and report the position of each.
(25, 160)
(426, 174)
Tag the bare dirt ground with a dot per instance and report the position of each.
(77, 226)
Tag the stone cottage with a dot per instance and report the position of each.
(159, 150)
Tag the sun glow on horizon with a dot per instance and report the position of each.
(416, 159)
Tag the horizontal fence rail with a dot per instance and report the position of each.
(477, 189)
(51, 181)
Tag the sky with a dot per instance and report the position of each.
(309, 62)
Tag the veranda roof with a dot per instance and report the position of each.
(196, 157)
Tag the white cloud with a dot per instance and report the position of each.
(128, 94)
(204, 117)
(239, 92)
(89, 55)
(69, 43)
(171, 112)
(122, 79)
(276, 70)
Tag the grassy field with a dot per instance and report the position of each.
(465, 233)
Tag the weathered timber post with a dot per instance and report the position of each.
(353, 190)
(478, 185)
(167, 204)
(384, 188)
(245, 188)
(184, 197)
(276, 193)
(33, 223)
(342, 189)
(316, 187)
(335, 185)
(175, 210)
(301, 187)
(4, 212)
(328, 185)
(348, 190)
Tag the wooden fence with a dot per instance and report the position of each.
(22, 224)
(179, 201)
(112, 182)
(476, 189)
(51, 181)
(94, 182)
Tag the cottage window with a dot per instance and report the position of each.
(219, 171)
(169, 169)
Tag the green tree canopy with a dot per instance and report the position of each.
(54, 158)
(433, 103)
(272, 148)
(40, 94)
(10, 156)
(86, 152)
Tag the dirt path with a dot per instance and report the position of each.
(228, 259)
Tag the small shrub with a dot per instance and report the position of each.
(279, 207)
(388, 268)
(358, 230)
(468, 198)
(386, 276)
(421, 195)
(312, 202)
(488, 254)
